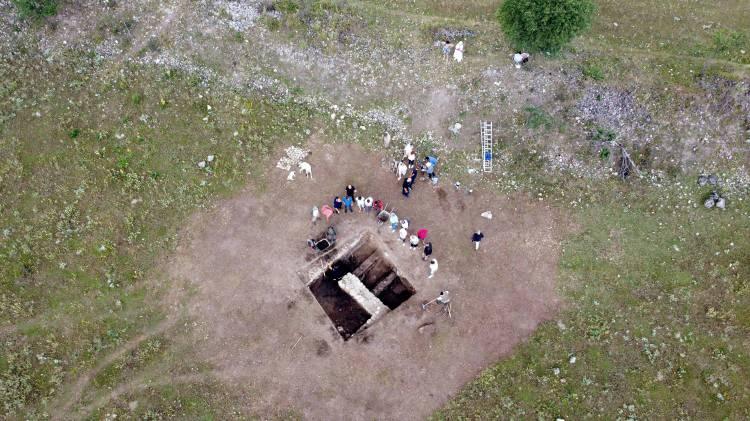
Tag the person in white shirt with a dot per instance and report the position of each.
(520, 58)
(433, 267)
(360, 203)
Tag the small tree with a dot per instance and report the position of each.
(544, 25)
(36, 8)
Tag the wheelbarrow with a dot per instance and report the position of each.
(324, 243)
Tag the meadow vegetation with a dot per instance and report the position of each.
(99, 170)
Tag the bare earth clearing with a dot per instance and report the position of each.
(261, 328)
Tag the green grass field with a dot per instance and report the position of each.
(99, 170)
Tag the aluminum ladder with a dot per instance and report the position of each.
(486, 134)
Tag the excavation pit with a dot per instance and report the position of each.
(360, 286)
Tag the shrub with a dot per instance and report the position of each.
(601, 134)
(726, 41)
(544, 25)
(36, 8)
(537, 117)
(592, 71)
(287, 6)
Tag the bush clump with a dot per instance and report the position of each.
(36, 8)
(544, 25)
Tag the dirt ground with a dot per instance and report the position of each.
(263, 330)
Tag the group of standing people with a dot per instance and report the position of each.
(414, 239)
(400, 226)
(427, 167)
(347, 203)
(366, 204)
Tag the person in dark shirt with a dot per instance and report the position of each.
(427, 251)
(337, 204)
(406, 187)
(350, 190)
(477, 238)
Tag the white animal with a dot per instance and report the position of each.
(386, 139)
(458, 52)
(408, 149)
(315, 214)
(290, 177)
(401, 170)
(306, 169)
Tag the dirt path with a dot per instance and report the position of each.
(75, 392)
(262, 328)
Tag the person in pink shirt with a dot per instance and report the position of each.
(422, 234)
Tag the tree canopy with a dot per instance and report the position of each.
(544, 25)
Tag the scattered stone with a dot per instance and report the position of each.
(294, 155)
(452, 34)
(455, 128)
(202, 164)
(487, 215)
(714, 199)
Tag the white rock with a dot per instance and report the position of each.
(487, 215)
(572, 359)
(202, 164)
(210, 158)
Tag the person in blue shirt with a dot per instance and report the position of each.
(428, 166)
(348, 204)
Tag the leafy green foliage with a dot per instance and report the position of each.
(286, 6)
(36, 8)
(544, 25)
(593, 72)
(537, 117)
(603, 135)
(725, 41)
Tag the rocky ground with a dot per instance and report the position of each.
(108, 109)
